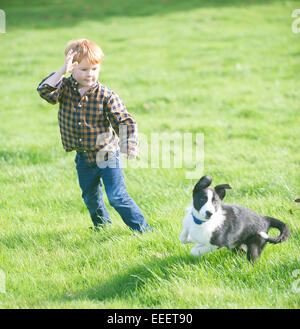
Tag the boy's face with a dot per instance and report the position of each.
(86, 73)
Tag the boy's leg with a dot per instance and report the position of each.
(118, 197)
(90, 184)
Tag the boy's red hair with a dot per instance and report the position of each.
(85, 48)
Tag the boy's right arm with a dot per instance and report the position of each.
(51, 88)
(54, 79)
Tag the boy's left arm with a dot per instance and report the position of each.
(124, 125)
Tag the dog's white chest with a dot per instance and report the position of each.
(200, 234)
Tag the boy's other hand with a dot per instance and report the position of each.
(129, 156)
(69, 65)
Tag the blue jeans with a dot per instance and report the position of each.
(90, 177)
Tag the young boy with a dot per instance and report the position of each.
(90, 116)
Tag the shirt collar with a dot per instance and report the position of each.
(74, 83)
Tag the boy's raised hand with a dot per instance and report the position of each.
(69, 65)
(55, 78)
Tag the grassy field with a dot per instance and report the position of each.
(227, 69)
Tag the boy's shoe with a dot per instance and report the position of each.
(143, 230)
(99, 227)
(96, 228)
(98, 220)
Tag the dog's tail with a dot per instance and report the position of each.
(282, 227)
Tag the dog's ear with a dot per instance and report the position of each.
(204, 182)
(221, 190)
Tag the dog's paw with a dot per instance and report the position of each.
(195, 251)
(185, 239)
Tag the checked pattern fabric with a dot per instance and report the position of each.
(95, 124)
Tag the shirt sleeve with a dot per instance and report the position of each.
(124, 125)
(51, 94)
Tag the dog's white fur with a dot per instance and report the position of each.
(216, 224)
(200, 234)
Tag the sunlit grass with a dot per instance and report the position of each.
(227, 71)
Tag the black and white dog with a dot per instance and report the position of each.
(211, 224)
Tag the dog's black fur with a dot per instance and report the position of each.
(241, 226)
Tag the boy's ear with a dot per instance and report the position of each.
(221, 190)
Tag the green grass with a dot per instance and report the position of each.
(228, 69)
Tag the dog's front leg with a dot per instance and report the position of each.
(200, 250)
(184, 236)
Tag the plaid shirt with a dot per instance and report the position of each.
(91, 124)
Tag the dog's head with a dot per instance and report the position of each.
(207, 200)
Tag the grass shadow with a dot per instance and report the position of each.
(124, 285)
(127, 283)
(223, 267)
(57, 14)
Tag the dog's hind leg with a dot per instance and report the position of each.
(254, 247)
(240, 249)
